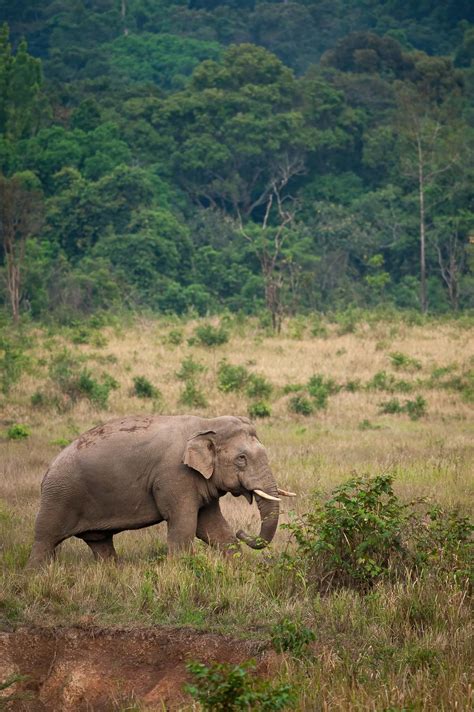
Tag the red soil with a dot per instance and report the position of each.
(100, 670)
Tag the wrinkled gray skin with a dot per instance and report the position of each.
(137, 471)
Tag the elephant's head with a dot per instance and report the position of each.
(232, 455)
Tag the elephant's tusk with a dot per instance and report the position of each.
(284, 493)
(263, 494)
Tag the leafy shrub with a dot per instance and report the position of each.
(17, 431)
(60, 442)
(231, 687)
(301, 405)
(297, 328)
(445, 543)
(143, 388)
(320, 388)
(402, 361)
(260, 409)
(97, 393)
(462, 383)
(383, 381)
(209, 335)
(39, 399)
(363, 533)
(231, 378)
(13, 362)
(352, 386)
(414, 408)
(75, 382)
(189, 369)
(391, 407)
(352, 538)
(347, 321)
(192, 396)
(318, 329)
(293, 637)
(258, 386)
(175, 337)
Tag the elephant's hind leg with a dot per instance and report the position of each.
(101, 545)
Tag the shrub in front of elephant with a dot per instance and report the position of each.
(137, 471)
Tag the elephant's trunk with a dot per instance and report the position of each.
(269, 511)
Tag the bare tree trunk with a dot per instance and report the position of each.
(20, 217)
(421, 196)
(123, 13)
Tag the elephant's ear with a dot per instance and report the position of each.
(200, 453)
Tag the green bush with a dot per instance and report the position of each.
(96, 392)
(192, 396)
(260, 409)
(383, 381)
(258, 387)
(233, 687)
(347, 321)
(462, 383)
(17, 431)
(352, 538)
(143, 388)
(301, 405)
(189, 369)
(39, 399)
(13, 362)
(363, 533)
(444, 543)
(320, 388)
(354, 385)
(231, 378)
(175, 337)
(391, 407)
(209, 335)
(404, 362)
(415, 409)
(293, 637)
(76, 382)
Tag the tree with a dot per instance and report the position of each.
(20, 218)
(235, 130)
(430, 145)
(270, 242)
(20, 86)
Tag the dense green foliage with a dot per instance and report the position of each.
(204, 155)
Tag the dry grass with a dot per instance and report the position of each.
(372, 652)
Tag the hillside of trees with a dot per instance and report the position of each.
(236, 154)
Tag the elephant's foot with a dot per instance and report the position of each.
(41, 553)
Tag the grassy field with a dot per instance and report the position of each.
(405, 644)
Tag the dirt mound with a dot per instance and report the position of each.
(100, 670)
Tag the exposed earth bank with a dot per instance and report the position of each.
(100, 670)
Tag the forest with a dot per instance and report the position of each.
(257, 157)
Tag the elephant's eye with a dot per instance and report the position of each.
(241, 460)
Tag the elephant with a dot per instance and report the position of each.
(137, 471)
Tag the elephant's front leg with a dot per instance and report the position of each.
(182, 529)
(214, 529)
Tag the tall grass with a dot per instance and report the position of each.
(404, 644)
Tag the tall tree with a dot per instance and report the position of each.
(430, 146)
(20, 87)
(20, 219)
